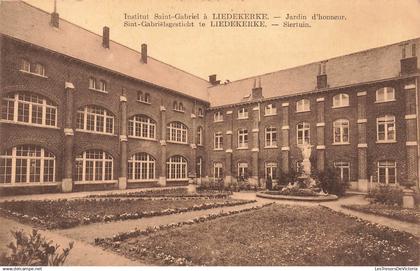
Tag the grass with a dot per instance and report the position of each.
(277, 235)
(395, 212)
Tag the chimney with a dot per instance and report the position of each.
(144, 53)
(105, 37)
(321, 79)
(55, 18)
(213, 79)
(257, 90)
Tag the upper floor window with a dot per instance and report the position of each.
(303, 105)
(243, 113)
(218, 116)
(143, 97)
(341, 131)
(242, 138)
(177, 132)
(99, 85)
(176, 168)
(386, 94)
(303, 133)
(29, 108)
(270, 109)
(200, 112)
(218, 170)
(271, 136)
(385, 127)
(142, 127)
(387, 172)
(218, 141)
(178, 107)
(200, 136)
(95, 119)
(341, 100)
(94, 165)
(34, 68)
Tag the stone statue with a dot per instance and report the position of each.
(306, 150)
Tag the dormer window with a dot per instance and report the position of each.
(32, 68)
(270, 110)
(98, 85)
(386, 94)
(218, 116)
(303, 105)
(340, 100)
(243, 113)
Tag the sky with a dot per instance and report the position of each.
(236, 53)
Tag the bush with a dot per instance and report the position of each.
(296, 191)
(330, 182)
(290, 177)
(33, 250)
(386, 194)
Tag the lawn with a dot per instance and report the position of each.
(275, 235)
(70, 213)
(395, 212)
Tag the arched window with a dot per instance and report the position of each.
(95, 119)
(341, 100)
(29, 108)
(177, 132)
(27, 164)
(94, 165)
(140, 96)
(303, 105)
(200, 112)
(175, 106)
(386, 94)
(271, 136)
(181, 107)
(200, 136)
(141, 126)
(147, 98)
(341, 131)
(303, 133)
(176, 168)
(141, 166)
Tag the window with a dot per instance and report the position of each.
(33, 68)
(218, 116)
(176, 168)
(178, 107)
(242, 138)
(303, 105)
(200, 136)
(218, 170)
(343, 169)
(387, 172)
(199, 167)
(341, 131)
(29, 108)
(385, 94)
(98, 85)
(175, 106)
(243, 170)
(243, 113)
(176, 132)
(141, 126)
(270, 110)
(386, 128)
(340, 100)
(27, 164)
(271, 136)
(143, 97)
(200, 112)
(95, 119)
(271, 171)
(94, 165)
(303, 133)
(141, 166)
(218, 141)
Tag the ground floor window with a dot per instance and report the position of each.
(141, 166)
(243, 170)
(218, 170)
(199, 167)
(271, 170)
(27, 164)
(94, 165)
(387, 172)
(176, 168)
(343, 169)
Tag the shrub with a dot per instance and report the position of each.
(386, 194)
(296, 191)
(33, 249)
(330, 182)
(290, 177)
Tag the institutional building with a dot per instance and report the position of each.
(80, 111)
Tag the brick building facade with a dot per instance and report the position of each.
(80, 111)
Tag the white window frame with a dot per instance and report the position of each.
(143, 97)
(272, 167)
(270, 136)
(142, 126)
(177, 132)
(98, 85)
(341, 100)
(242, 169)
(200, 112)
(141, 167)
(217, 170)
(341, 166)
(103, 160)
(37, 69)
(82, 120)
(388, 94)
(11, 109)
(389, 124)
(199, 167)
(218, 141)
(243, 113)
(303, 105)
(177, 168)
(200, 131)
(341, 127)
(270, 110)
(243, 139)
(387, 165)
(306, 133)
(218, 116)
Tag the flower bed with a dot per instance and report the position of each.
(70, 213)
(396, 212)
(173, 193)
(276, 235)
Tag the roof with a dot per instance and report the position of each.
(77, 42)
(361, 67)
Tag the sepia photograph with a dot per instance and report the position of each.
(209, 133)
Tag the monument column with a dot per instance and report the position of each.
(67, 180)
(320, 130)
(362, 143)
(285, 149)
(255, 144)
(162, 175)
